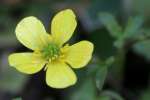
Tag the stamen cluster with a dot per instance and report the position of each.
(51, 51)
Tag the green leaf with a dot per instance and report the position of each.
(86, 91)
(111, 24)
(143, 48)
(119, 43)
(145, 94)
(132, 31)
(133, 26)
(17, 99)
(103, 98)
(110, 61)
(101, 72)
(100, 77)
(113, 95)
(146, 32)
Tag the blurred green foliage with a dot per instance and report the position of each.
(17, 99)
(145, 95)
(11, 80)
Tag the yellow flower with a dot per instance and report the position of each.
(49, 50)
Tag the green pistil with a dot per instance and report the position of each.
(51, 51)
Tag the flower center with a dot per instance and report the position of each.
(51, 51)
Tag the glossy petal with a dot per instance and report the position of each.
(63, 26)
(79, 54)
(31, 33)
(28, 63)
(60, 75)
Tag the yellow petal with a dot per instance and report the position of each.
(31, 33)
(79, 54)
(28, 63)
(60, 75)
(63, 26)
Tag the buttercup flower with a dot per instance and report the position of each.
(50, 51)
